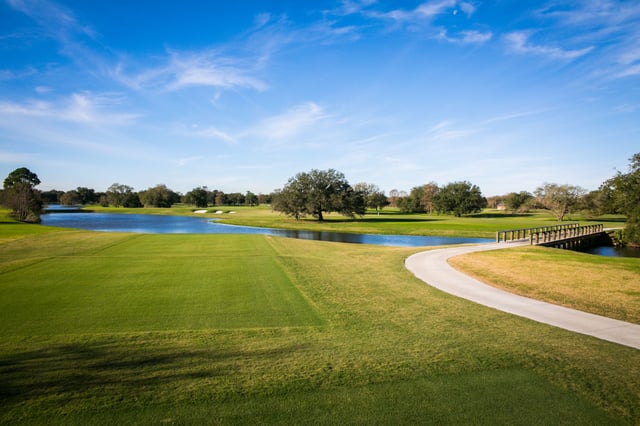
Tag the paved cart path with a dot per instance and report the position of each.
(432, 268)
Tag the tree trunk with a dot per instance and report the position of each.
(320, 218)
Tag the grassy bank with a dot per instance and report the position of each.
(102, 328)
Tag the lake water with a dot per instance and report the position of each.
(156, 224)
(613, 251)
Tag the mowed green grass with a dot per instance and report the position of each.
(153, 283)
(100, 328)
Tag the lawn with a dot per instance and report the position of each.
(190, 329)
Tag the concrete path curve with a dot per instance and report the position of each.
(432, 268)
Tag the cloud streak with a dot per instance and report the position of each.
(519, 42)
(424, 12)
(207, 68)
(467, 37)
(57, 21)
(83, 108)
(211, 133)
(283, 127)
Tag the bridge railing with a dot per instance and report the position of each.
(525, 233)
(551, 236)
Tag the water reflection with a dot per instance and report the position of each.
(156, 224)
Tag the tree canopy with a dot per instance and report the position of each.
(21, 175)
(412, 203)
(158, 196)
(517, 200)
(119, 195)
(373, 196)
(317, 192)
(623, 192)
(197, 196)
(559, 199)
(21, 197)
(459, 198)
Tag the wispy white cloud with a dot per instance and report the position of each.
(84, 108)
(434, 8)
(277, 129)
(425, 12)
(261, 19)
(181, 162)
(590, 12)
(237, 64)
(628, 60)
(77, 41)
(291, 123)
(210, 133)
(350, 7)
(631, 55)
(446, 131)
(613, 25)
(466, 37)
(182, 70)
(438, 127)
(56, 138)
(56, 20)
(513, 115)
(519, 42)
(629, 71)
(178, 70)
(7, 74)
(200, 70)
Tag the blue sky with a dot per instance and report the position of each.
(242, 95)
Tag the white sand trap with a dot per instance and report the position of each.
(219, 212)
(199, 211)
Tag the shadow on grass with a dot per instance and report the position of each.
(606, 219)
(69, 374)
(375, 219)
(499, 215)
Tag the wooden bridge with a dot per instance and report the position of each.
(569, 236)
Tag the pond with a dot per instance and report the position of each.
(613, 251)
(156, 224)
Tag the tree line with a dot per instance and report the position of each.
(318, 192)
(119, 195)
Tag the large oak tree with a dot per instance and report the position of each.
(21, 197)
(317, 192)
(459, 198)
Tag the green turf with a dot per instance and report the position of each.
(152, 283)
(512, 397)
(99, 328)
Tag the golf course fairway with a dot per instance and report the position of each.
(108, 328)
